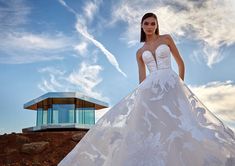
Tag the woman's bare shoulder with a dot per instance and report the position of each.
(167, 37)
(139, 52)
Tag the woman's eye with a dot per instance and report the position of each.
(146, 23)
(153, 23)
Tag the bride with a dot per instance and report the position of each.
(161, 122)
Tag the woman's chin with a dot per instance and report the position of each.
(149, 33)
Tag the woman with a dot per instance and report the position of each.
(160, 123)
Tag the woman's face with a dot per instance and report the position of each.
(149, 25)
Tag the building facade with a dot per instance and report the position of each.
(63, 110)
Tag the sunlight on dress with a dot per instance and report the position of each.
(160, 123)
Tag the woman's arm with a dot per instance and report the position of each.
(177, 56)
(141, 66)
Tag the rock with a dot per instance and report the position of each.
(8, 151)
(77, 137)
(15, 150)
(34, 147)
(21, 139)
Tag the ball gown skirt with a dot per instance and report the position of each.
(160, 123)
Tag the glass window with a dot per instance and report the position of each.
(85, 116)
(77, 115)
(44, 120)
(89, 115)
(39, 116)
(71, 116)
(49, 116)
(64, 113)
(81, 116)
(55, 116)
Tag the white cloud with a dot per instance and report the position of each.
(111, 58)
(62, 2)
(19, 48)
(2, 131)
(210, 22)
(12, 14)
(46, 86)
(81, 27)
(51, 70)
(95, 54)
(87, 78)
(35, 41)
(81, 48)
(219, 97)
(91, 8)
(84, 79)
(55, 80)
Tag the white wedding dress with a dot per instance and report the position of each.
(160, 123)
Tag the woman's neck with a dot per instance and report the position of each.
(151, 38)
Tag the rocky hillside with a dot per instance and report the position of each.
(37, 149)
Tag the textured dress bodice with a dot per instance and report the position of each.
(162, 55)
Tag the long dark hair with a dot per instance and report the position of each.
(142, 34)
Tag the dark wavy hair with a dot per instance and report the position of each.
(142, 34)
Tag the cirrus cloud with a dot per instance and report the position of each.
(81, 27)
(23, 47)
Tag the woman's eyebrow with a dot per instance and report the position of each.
(150, 21)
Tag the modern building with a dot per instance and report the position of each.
(64, 110)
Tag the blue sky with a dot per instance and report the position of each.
(90, 46)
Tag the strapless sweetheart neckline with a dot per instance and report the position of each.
(155, 49)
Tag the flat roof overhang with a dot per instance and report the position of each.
(68, 96)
